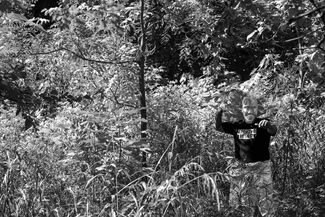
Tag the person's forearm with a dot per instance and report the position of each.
(219, 121)
(272, 129)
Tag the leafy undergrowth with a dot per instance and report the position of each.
(85, 163)
(70, 137)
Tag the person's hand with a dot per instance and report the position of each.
(269, 126)
(263, 124)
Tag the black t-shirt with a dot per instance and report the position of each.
(251, 142)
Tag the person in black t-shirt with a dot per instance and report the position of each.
(250, 174)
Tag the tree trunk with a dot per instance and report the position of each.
(142, 60)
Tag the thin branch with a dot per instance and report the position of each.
(118, 102)
(305, 14)
(81, 56)
(322, 18)
(319, 45)
(294, 39)
(79, 49)
(302, 36)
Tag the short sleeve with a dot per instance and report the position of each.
(228, 127)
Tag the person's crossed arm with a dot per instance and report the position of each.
(269, 126)
(265, 124)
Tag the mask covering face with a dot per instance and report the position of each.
(249, 109)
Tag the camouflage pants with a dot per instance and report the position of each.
(251, 187)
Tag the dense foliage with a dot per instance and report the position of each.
(72, 136)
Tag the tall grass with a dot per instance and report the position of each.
(76, 164)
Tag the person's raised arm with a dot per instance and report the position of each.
(224, 127)
(219, 120)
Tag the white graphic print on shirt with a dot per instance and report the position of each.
(246, 133)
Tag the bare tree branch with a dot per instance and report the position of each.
(302, 36)
(81, 56)
(291, 20)
(323, 12)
